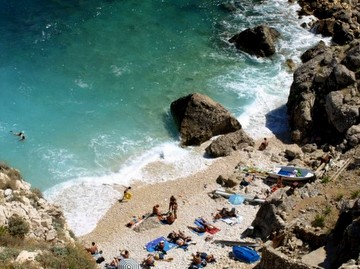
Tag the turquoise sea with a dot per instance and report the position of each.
(91, 82)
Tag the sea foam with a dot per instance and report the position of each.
(88, 198)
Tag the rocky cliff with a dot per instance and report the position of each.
(324, 98)
(33, 232)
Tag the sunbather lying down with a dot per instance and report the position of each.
(205, 226)
(174, 236)
(225, 213)
(197, 229)
(134, 221)
(180, 239)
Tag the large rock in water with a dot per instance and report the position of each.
(199, 118)
(259, 41)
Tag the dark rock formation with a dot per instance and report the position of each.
(347, 235)
(339, 19)
(268, 219)
(324, 100)
(199, 118)
(259, 41)
(225, 144)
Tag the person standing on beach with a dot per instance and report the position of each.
(174, 209)
(173, 206)
(127, 194)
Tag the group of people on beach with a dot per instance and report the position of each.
(97, 255)
(171, 215)
(114, 264)
(198, 259)
(179, 237)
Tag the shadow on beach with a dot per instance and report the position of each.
(277, 121)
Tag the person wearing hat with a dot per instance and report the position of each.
(161, 247)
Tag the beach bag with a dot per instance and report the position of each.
(245, 254)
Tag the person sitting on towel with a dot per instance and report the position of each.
(161, 247)
(169, 219)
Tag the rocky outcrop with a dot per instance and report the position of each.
(199, 118)
(225, 144)
(269, 218)
(338, 19)
(259, 41)
(347, 234)
(324, 99)
(271, 258)
(18, 200)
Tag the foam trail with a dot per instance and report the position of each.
(84, 202)
(88, 198)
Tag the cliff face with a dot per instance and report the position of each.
(324, 99)
(33, 231)
(18, 199)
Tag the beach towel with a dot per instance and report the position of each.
(152, 244)
(233, 220)
(213, 230)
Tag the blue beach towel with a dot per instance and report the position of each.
(199, 222)
(151, 245)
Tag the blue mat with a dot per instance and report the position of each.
(151, 245)
(199, 223)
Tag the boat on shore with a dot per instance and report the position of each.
(292, 173)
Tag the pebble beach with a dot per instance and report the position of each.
(194, 200)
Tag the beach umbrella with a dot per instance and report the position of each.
(236, 199)
(128, 264)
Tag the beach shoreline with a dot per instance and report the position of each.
(193, 198)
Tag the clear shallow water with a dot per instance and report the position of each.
(91, 82)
